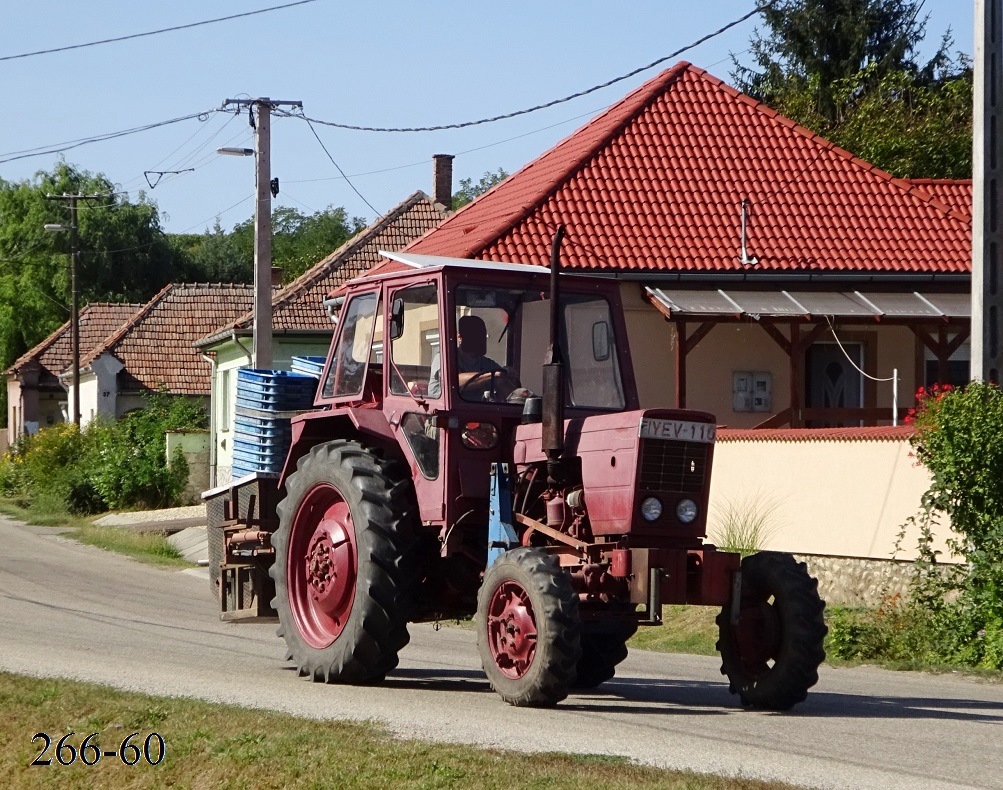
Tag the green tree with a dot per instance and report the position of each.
(124, 254)
(848, 70)
(211, 257)
(469, 190)
(907, 127)
(298, 240)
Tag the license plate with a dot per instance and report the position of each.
(677, 430)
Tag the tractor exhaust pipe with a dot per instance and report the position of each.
(553, 376)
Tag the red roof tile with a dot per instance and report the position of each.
(886, 433)
(55, 354)
(299, 305)
(952, 193)
(656, 183)
(156, 345)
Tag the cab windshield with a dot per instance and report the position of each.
(502, 339)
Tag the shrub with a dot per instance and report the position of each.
(107, 465)
(958, 439)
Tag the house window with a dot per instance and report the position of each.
(225, 378)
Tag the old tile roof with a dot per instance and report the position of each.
(952, 193)
(156, 345)
(880, 433)
(656, 183)
(55, 354)
(299, 305)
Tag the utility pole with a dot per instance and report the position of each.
(987, 170)
(71, 200)
(260, 109)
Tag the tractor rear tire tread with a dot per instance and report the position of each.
(800, 611)
(383, 512)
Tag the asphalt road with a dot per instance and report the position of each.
(74, 611)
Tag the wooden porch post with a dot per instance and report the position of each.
(681, 352)
(797, 376)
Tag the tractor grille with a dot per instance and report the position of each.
(673, 467)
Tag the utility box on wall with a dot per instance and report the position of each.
(752, 391)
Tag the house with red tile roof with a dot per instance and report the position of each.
(35, 396)
(154, 349)
(769, 276)
(301, 324)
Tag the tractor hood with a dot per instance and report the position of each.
(629, 456)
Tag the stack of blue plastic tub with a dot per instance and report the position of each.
(309, 366)
(266, 401)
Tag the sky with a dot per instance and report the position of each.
(380, 64)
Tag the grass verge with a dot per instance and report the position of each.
(227, 747)
(151, 547)
(684, 629)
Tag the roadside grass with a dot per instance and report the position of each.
(150, 547)
(221, 746)
(684, 629)
(41, 511)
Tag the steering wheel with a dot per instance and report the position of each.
(495, 385)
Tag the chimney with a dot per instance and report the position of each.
(442, 179)
(276, 277)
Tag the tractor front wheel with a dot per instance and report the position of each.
(604, 646)
(772, 653)
(344, 564)
(528, 628)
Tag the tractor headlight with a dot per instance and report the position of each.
(651, 509)
(686, 510)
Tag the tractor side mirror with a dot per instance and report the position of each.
(600, 341)
(397, 319)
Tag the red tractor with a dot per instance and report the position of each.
(447, 472)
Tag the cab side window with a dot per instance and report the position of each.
(414, 351)
(347, 371)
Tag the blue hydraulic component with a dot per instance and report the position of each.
(501, 534)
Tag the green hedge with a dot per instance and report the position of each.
(106, 466)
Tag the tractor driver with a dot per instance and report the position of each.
(473, 364)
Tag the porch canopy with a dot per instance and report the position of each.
(842, 305)
(941, 321)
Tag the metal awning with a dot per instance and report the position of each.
(681, 303)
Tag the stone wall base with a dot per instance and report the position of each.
(853, 581)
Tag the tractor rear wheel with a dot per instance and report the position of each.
(772, 654)
(528, 628)
(344, 564)
(604, 646)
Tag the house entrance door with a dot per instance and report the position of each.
(832, 381)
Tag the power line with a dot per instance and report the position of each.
(347, 180)
(58, 148)
(154, 32)
(516, 113)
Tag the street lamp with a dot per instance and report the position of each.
(261, 350)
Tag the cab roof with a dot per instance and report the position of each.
(402, 263)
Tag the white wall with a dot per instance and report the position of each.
(833, 497)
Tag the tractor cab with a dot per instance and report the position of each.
(451, 353)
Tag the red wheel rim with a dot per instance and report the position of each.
(321, 566)
(511, 627)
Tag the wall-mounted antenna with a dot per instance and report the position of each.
(746, 260)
